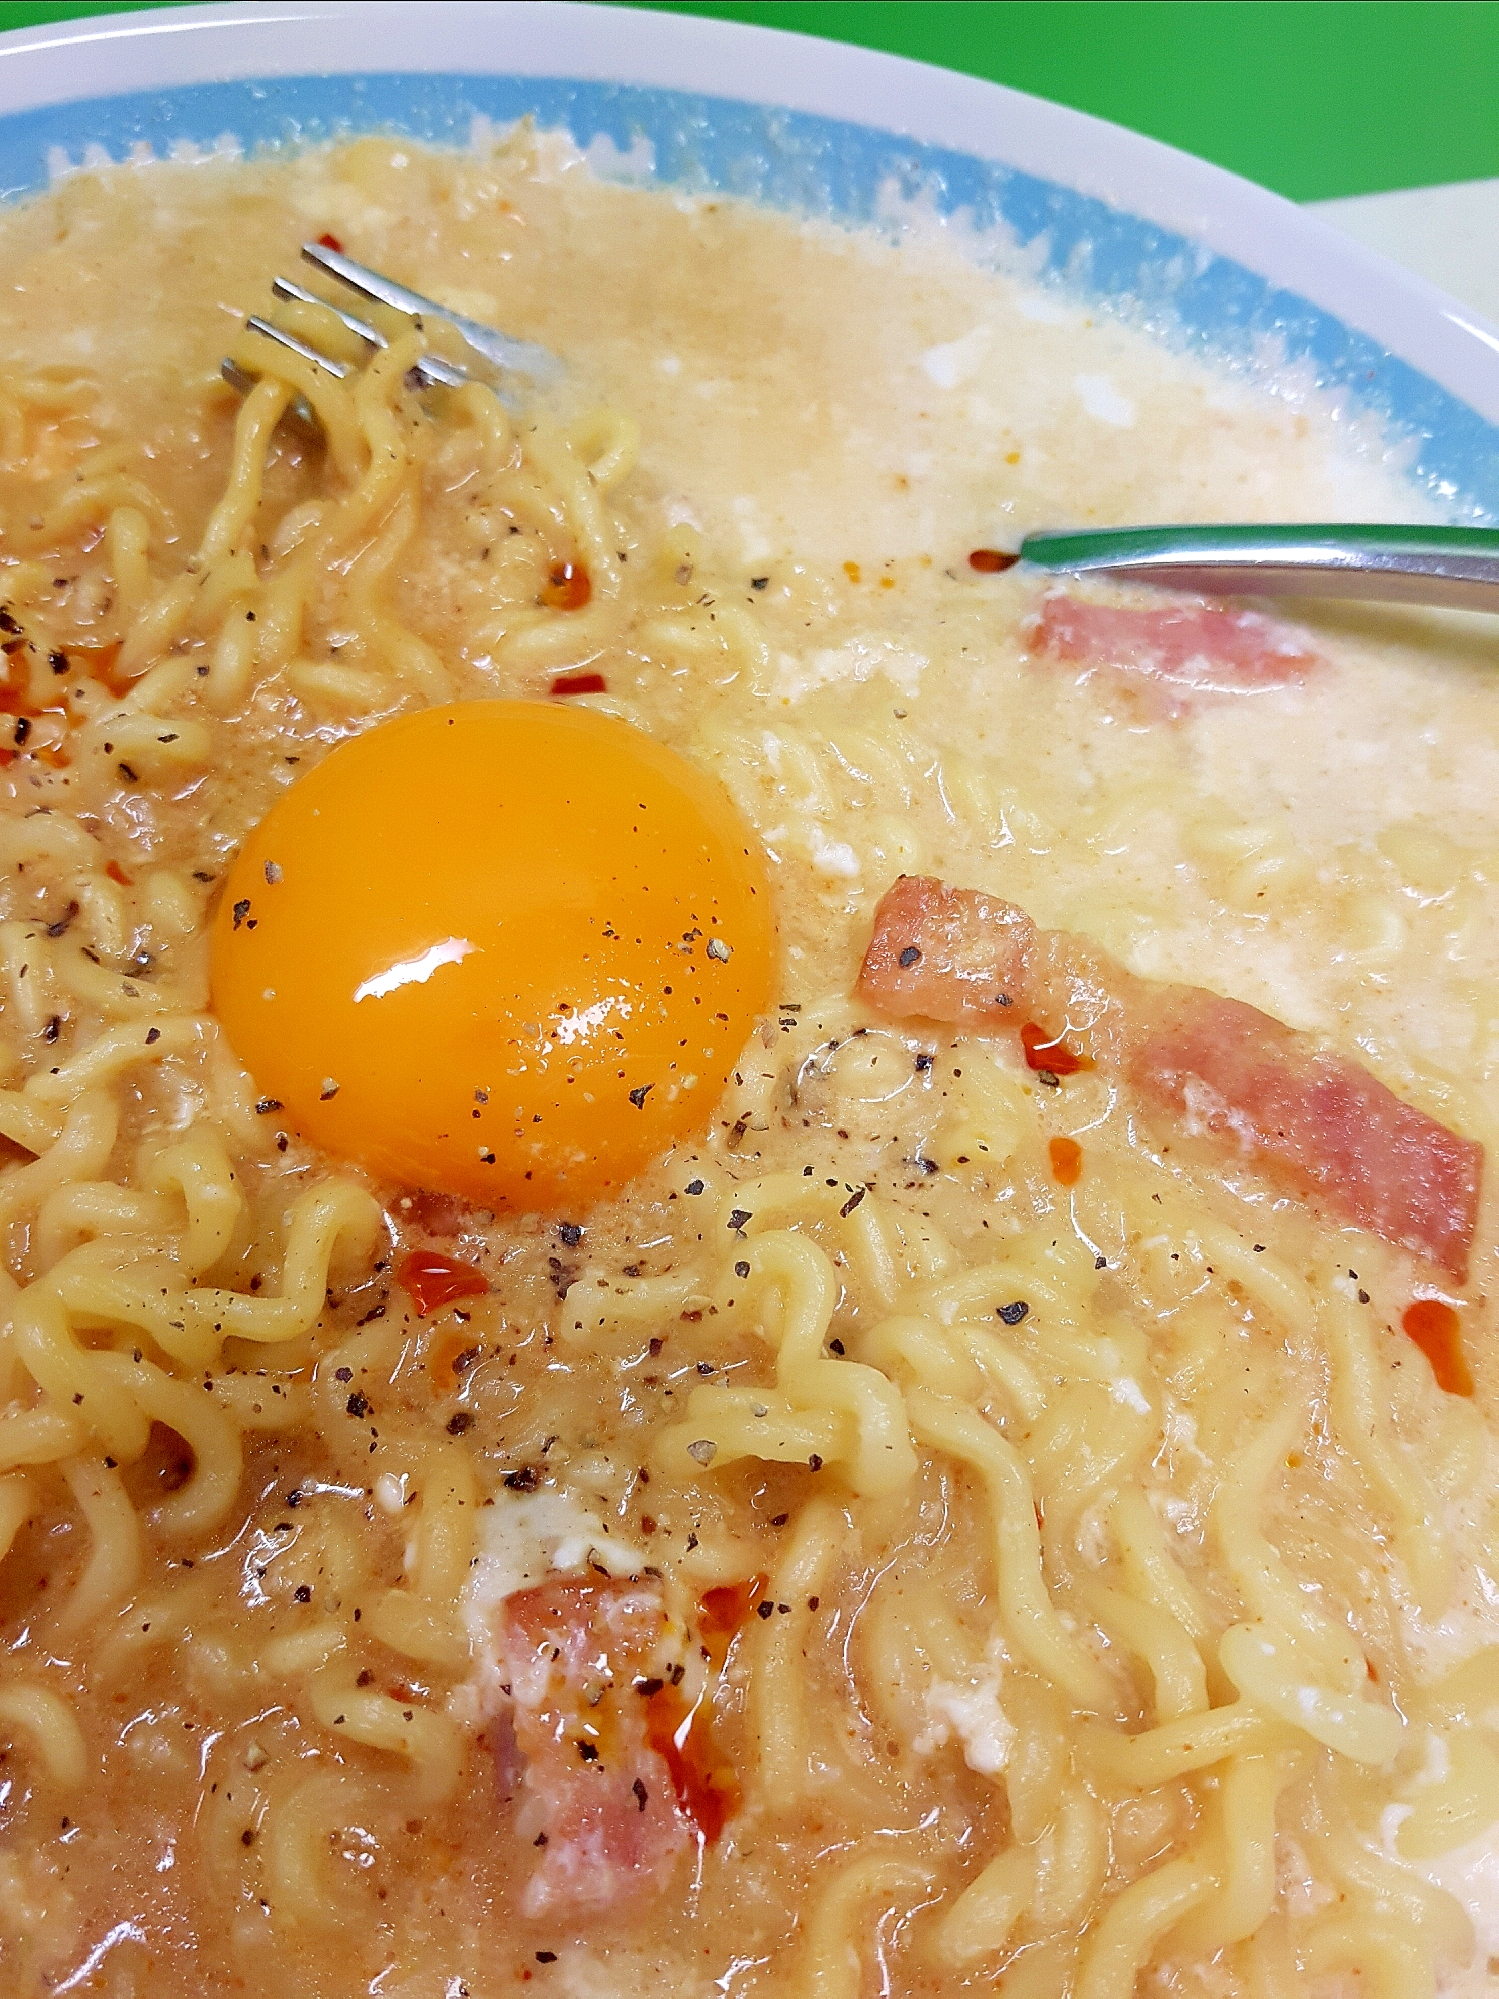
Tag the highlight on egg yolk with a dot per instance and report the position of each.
(501, 949)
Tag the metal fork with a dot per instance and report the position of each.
(498, 350)
(1456, 567)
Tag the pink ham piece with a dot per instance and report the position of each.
(582, 1660)
(1306, 1117)
(1174, 650)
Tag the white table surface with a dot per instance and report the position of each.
(1448, 235)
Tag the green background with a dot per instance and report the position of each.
(1313, 97)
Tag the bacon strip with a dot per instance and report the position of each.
(1308, 1118)
(582, 1660)
(1182, 648)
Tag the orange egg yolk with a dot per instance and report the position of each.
(502, 949)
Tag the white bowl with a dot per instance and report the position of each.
(1203, 257)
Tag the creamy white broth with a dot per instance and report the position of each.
(829, 422)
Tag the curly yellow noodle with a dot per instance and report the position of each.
(1388, 1892)
(1389, 1961)
(27, 965)
(1072, 1859)
(259, 414)
(832, 1961)
(597, 1308)
(1363, 1426)
(786, 1745)
(198, 1168)
(300, 1834)
(89, 500)
(156, 625)
(39, 1437)
(114, 1563)
(607, 441)
(341, 690)
(17, 1498)
(979, 1923)
(45, 1720)
(127, 537)
(399, 651)
(1133, 1924)
(419, 1618)
(118, 1395)
(1176, 1748)
(114, 1051)
(1016, 1379)
(297, 1654)
(80, 1151)
(838, 1411)
(430, 1741)
(1242, 1810)
(1030, 1618)
(329, 400)
(45, 836)
(491, 419)
(85, 1210)
(1464, 1802)
(1176, 1669)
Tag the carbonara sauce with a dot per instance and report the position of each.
(968, 1523)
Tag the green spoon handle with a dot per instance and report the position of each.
(1453, 567)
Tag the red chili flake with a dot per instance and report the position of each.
(1050, 1053)
(989, 561)
(431, 1280)
(580, 683)
(567, 588)
(1066, 1160)
(117, 874)
(330, 242)
(723, 1612)
(1437, 1331)
(706, 1788)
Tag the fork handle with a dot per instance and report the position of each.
(1452, 567)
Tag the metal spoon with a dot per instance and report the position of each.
(1452, 567)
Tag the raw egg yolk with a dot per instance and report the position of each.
(501, 949)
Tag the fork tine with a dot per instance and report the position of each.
(285, 288)
(432, 370)
(428, 371)
(521, 356)
(368, 283)
(338, 369)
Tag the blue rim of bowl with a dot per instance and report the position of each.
(823, 167)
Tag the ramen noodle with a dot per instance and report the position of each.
(965, 1518)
